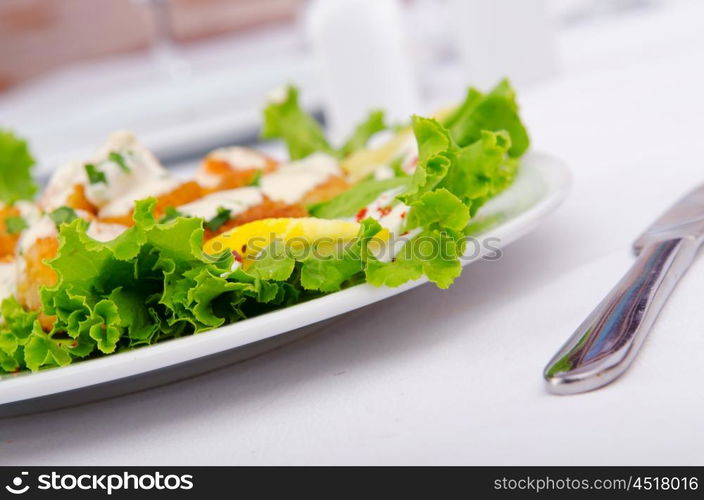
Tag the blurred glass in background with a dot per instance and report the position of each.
(189, 75)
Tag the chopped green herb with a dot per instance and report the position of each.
(63, 215)
(256, 180)
(15, 224)
(94, 175)
(170, 214)
(221, 218)
(119, 160)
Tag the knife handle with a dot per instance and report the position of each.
(606, 343)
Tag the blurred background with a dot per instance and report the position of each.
(189, 75)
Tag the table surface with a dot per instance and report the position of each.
(440, 377)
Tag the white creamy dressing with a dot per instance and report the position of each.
(380, 138)
(397, 243)
(384, 203)
(43, 227)
(240, 158)
(395, 220)
(104, 231)
(28, 211)
(237, 158)
(207, 180)
(236, 264)
(61, 185)
(8, 279)
(234, 200)
(388, 211)
(383, 172)
(146, 177)
(292, 181)
(408, 152)
(278, 95)
(392, 215)
(144, 188)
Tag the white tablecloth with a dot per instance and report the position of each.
(454, 376)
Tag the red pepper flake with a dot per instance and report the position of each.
(361, 214)
(244, 248)
(405, 233)
(237, 256)
(403, 214)
(384, 210)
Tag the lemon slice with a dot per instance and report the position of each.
(249, 239)
(363, 162)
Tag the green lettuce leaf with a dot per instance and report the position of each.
(153, 282)
(348, 203)
(15, 331)
(483, 169)
(16, 162)
(492, 112)
(449, 185)
(43, 350)
(288, 121)
(304, 136)
(438, 209)
(473, 173)
(330, 273)
(274, 263)
(433, 252)
(363, 132)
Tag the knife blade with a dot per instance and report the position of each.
(606, 343)
(683, 219)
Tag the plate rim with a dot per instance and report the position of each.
(26, 386)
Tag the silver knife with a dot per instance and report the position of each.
(606, 343)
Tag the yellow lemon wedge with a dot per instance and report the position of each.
(249, 239)
(363, 162)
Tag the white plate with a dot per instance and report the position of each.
(541, 185)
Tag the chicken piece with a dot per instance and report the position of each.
(121, 172)
(38, 245)
(11, 236)
(8, 241)
(34, 274)
(327, 190)
(239, 205)
(182, 194)
(315, 178)
(233, 167)
(63, 189)
(268, 209)
(77, 200)
(185, 193)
